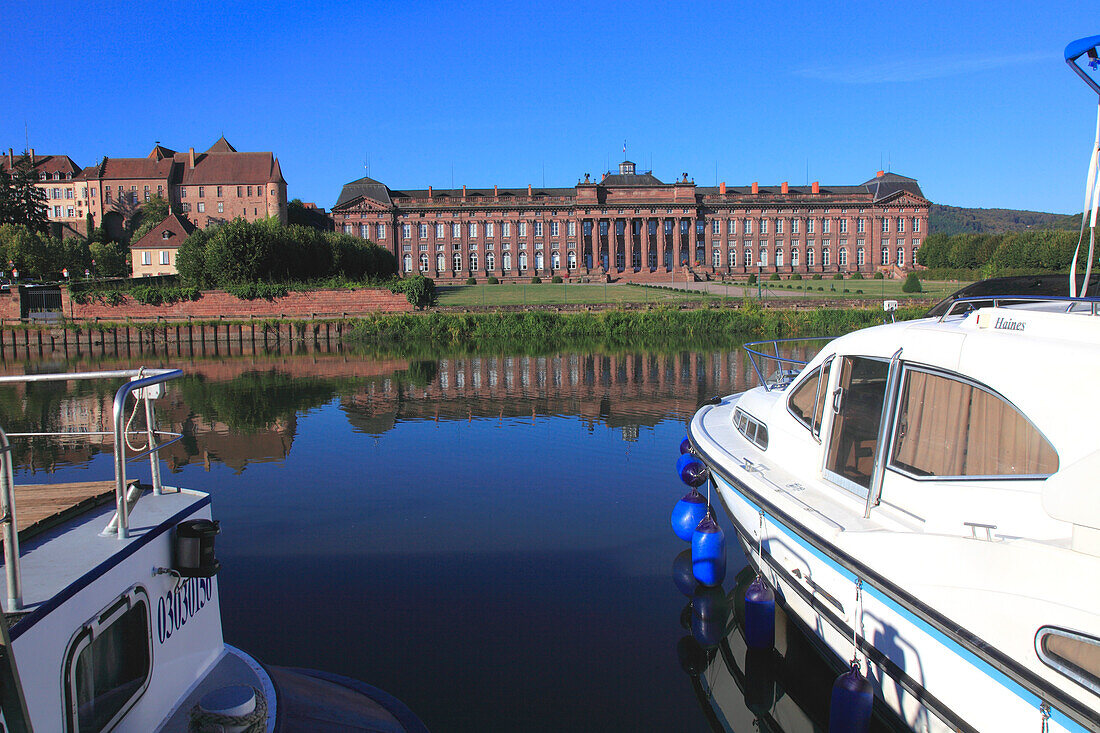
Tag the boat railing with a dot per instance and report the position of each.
(763, 353)
(145, 385)
(966, 304)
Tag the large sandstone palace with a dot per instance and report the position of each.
(632, 226)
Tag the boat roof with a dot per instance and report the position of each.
(1041, 358)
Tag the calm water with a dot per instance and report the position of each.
(486, 538)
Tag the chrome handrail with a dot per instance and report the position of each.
(138, 379)
(782, 377)
(998, 301)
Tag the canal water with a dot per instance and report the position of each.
(485, 537)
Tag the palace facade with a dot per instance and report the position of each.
(632, 226)
(54, 176)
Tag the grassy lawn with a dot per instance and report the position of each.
(599, 293)
(559, 293)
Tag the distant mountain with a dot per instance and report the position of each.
(956, 220)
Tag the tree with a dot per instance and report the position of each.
(151, 213)
(418, 290)
(297, 213)
(21, 202)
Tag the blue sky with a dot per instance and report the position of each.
(973, 100)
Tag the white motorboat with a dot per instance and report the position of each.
(112, 614)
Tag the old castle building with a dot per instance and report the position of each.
(215, 186)
(633, 226)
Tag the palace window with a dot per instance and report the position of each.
(732, 257)
(901, 256)
(422, 230)
(473, 261)
(885, 224)
(571, 260)
(456, 230)
(716, 258)
(716, 228)
(901, 223)
(553, 229)
(202, 206)
(507, 260)
(825, 253)
(506, 229)
(861, 225)
(424, 262)
(748, 256)
(826, 225)
(842, 256)
(381, 229)
(668, 226)
(843, 226)
(440, 230)
(555, 261)
(472, 229)
(916, 224)
(406, 231)
(779, 257)
(763, 257)
(778, 226)
(488, 229)
(794, 257)
(809, 258)
(885, 255)
(440, 261)
(794, 226)
(522, 229)
(859, 256)
(572, 229)
(456, 262)
(731, 226)
(763, 226)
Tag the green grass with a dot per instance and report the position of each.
(464, 296)
(558, 294)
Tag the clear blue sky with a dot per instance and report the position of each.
(973, 100)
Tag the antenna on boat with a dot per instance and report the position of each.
(1087, 47)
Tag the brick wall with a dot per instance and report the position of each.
(217, 303)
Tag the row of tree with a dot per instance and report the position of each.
(1046, 250)
(266, 251)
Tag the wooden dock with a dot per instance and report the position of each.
(41, 506)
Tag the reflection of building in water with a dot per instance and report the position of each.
(625, 391)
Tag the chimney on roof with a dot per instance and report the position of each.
(755, 187)
(722, 188)
(191, 158)
(494, 189)
(880, 174)
(11, 158)
(429, 191)
(783, 188)
(32, 156)
(815, 188)
(463, 190)
(528, 189)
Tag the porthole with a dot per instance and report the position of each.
(1074, 655)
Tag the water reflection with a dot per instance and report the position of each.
(243, 410)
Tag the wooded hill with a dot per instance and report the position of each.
(958, 220)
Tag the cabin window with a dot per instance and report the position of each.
(1074, 655)
(857, 404)
(807, 402)
(108, 664)
(948, 427)
(754, 431)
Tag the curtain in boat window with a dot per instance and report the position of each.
(947, 427)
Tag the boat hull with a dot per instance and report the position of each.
(931, 681)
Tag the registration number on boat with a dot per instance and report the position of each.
(181, 603)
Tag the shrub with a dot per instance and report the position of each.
(859, 292)
(816, 277)
(774, 276)
(820, 287)
(846, 290)
(536, 280)
(752, 280)
(418, 290)
(471, 281)
(493, 280)
(878, 276)
(911, 284)
(857, 276)
(838, 276)
(796, 276)
(556, 279)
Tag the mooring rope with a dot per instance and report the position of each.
(207, 722)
